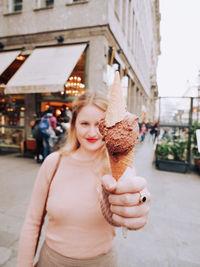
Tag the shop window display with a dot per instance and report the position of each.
(11, 122)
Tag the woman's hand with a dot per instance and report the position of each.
(125, 199)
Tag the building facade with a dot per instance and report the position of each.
(52, 50)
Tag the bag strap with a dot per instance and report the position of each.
(54, 172)
(44, 209)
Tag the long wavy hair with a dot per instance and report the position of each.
(98, 99)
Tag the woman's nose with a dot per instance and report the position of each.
(92, 131)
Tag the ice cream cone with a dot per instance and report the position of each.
(120, 163)
(120, 132)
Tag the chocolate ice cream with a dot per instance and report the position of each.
(122, 137)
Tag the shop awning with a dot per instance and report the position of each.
(45, 70)
(6, 58)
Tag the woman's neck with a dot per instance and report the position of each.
(84, 154)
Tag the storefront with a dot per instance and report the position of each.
(47, 77)
(12, 108)
(11, 122)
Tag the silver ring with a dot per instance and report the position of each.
(142, 198)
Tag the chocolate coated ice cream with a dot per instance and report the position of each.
(123, 136)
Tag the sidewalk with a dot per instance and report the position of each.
(171, 238)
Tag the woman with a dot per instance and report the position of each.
(77, 233)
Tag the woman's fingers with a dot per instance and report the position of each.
(130, 185)
(131, 211)
(128, 210)
(130, 223)
(129, 199)
(124, 199)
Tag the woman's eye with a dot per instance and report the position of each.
(84, 123)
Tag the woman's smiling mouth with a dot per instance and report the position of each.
(92, 140)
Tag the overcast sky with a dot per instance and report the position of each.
(179, 61)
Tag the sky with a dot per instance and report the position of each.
(179, 62)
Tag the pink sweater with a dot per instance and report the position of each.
(76, 227)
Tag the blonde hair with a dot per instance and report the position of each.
(98, 99)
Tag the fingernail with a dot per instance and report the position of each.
(111, 186)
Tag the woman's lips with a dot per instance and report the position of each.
(91, 140)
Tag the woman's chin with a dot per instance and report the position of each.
(93, 147)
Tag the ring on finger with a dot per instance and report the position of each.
(142, 198)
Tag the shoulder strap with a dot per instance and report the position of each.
(44, 209)
(54, 172)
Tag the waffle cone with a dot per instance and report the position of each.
(120, 163)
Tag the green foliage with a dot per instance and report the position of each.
(163, 150)
(172, 149)
(175, 148)
(193, 128)
(178, 149)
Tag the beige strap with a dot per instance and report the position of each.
(44, 209)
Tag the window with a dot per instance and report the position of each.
(124, 16)
(76, 1)
(129, 21)
(117, 8)
(14, 5)
(44, 3)
(134, 31)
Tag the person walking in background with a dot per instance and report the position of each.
(38, 139)
(156, 131)
(165, 135)
(78, 233)
(143, 131)
(47, 127)
(52, 129)
(152, 132)
(44, 130)
(61, 134)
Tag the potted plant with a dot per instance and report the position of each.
(171, 154)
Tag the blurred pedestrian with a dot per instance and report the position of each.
(152, 132)
(156, 131)
(38, 139)
(47, 127)
(44, 130)
(61, 134)
(165, 135)
(143, 132)
(52, 129)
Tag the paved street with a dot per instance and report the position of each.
(171, 238)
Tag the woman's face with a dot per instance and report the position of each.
(87, 131)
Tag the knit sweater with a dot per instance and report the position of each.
(76, 227)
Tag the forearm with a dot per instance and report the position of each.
(27, 246)
(30, 233)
